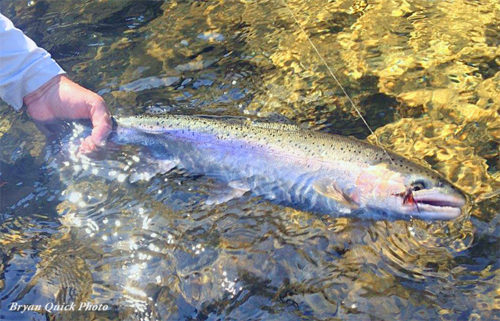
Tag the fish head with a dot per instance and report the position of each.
(410, 190)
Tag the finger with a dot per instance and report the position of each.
(101, 122)
(87, 146)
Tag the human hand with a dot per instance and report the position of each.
(61, 98)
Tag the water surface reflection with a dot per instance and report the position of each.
(122, 231)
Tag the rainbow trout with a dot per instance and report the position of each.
(300, 168)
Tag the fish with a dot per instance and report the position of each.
(300, 168)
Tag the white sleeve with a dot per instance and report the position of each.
(24, 67)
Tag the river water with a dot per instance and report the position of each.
(425, 74)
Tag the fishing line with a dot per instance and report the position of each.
(330, 71)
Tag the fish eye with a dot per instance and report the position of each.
(418, 185)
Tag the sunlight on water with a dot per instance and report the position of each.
(135, 233)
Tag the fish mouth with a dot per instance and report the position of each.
(438, 204)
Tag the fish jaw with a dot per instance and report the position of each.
(439, 207)
(430, 204)
(438, 203)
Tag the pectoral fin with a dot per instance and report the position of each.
(328, 188)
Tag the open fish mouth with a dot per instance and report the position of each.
(435, 197)
(439, 204)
